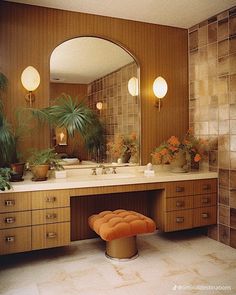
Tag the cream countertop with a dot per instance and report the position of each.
(82, 178)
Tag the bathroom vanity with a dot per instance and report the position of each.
(37, 215)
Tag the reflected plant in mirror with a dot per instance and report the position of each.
(99, 70)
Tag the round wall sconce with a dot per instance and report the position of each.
(160, 89)
(30, 79)
(133, 86)
(99, 105)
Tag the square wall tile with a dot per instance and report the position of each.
(232, 44)
(223, 31)
(224, 196)
(224, 178)
(233, 238)
(202, 36)
(223, 48)
(233, 160)
(224, 215)
(232, 199)
(233, 179)
(224, 234)
(212, 32)
(232, 25)
(233, 217)
(193, 40)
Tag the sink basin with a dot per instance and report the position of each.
(113, 176)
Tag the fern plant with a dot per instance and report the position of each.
(4, 179)
(45, 157)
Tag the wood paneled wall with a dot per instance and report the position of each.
(28, 35)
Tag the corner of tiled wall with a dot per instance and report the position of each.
(212, 109)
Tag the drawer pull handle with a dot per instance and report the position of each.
(206, 187)
(51, 216)
(205, 215)
(51, 199)
(9, 203)
(10, 239)
(179, 203)
(51, 235)
(10, 220)
(179, 219)
(179, 189)
(205, 200)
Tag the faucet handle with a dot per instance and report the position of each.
(94, 171)
(114, 170)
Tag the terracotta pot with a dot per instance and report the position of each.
(17, 171)
(40, 172)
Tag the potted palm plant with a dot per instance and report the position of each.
(8, 140)
(41, 161)
(75, 117)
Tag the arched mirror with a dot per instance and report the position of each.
(98, 71)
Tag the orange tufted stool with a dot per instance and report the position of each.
(119, 229)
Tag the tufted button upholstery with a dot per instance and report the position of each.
(111, 225)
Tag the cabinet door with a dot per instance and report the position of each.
(15, 219)
(50, 215)
(50, 199)
(15, 240)
(11, 202)
(204, 216)
(179, 188)
(177, 220)
(50, 235)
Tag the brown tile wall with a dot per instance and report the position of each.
(121, 112)
(212, 109)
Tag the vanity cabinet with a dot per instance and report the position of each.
(50, 219)
(186, 204)
(34, 220)
(15, 222)
(42, 219)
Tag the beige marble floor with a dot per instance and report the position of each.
(165, 264)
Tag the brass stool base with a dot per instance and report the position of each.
(122, 249)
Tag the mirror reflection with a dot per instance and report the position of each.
(99, 71)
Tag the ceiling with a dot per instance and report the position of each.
(177, 13)
(85, 59)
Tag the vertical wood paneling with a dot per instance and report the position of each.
(28, 35)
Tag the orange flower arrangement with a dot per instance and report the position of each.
(123, 144)
(194, 147)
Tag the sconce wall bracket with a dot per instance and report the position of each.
(30, 98)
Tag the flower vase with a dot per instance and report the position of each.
(179, 163)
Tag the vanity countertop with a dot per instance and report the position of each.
(82, 178)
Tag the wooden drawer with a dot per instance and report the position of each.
(15, 240)
(50, 215)
(179, 188)
(178, 220)
(50, 235)
(11, 202)
(205, 186)
(15, 219)
(50, 199)
(179, 203)
(204, 200)
(204, 216)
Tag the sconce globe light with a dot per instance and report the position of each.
(160, 89)
(30, 79)
(133, 86)
(99, 105)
